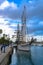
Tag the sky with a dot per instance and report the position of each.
(11, 11)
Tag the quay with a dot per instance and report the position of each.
(5, 57)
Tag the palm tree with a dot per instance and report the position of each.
(4, 35)
(0, 31)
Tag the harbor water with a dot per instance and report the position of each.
(33, 57)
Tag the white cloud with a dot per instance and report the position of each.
(7, 4)
(6, 29)
(13, 5)
(14, 24)
(4, 5)
(30, 2)
(2, 21)
(41, 23)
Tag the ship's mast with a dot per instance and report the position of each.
(23, 29)
(18, 33)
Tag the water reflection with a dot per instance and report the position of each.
(37, 55)
(14, 58)
(34, 57)
(24, 58)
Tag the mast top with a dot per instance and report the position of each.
(24, 13)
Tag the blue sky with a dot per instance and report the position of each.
(11, 11)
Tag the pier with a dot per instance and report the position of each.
(4, 57)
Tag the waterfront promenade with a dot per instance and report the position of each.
(4, 57)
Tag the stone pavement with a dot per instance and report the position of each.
(3, 55)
